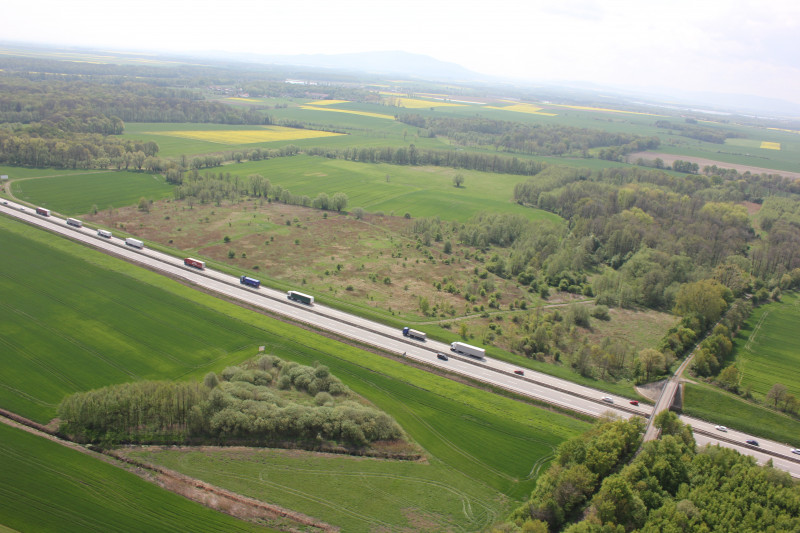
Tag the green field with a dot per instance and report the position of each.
(108, 328)
(47, 487)
(420, 191)
(75, 194)
(357, 494)
(720, 407)
(767, 348)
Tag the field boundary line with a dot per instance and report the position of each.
(196, 490)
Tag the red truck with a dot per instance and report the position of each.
(194, 263)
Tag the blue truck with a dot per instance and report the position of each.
(244, 280)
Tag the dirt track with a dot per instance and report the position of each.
(701, 162)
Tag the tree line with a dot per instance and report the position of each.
(441, 158)
(535, 139)
(89, 105)
(212, 187)
(692, 131)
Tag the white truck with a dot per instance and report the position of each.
(134, 242)
(468, 349)
(104, 233)
(74, 222)
(413, 333)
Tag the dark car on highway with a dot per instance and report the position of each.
(752, 442)
(441, 356)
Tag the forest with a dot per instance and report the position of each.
(670, 485)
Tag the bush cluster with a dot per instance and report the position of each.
(265, 401)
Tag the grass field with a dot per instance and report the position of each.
(102, 326)
(420, 191)
(720, 407)
(47, 487)
(357, 494)
(75, 194)
(767, 348)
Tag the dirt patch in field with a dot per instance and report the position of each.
(669, 159)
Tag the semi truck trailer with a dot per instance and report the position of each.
(244, 280)
(300, 297)
(42, 211)
(104, 233)
(196, 263)
(134, 242)
(74, 222)
(414, 334)
(467, 349)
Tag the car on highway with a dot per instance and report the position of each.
(5, 203)
(720, 428)
(752, 442)
(22, 209)
(441, 356)
(796, 451)
(634, 402)
(519, 372)
(608, 399)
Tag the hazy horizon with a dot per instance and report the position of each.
(740, 47)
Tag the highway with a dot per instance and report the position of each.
(494, 372)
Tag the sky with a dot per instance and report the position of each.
(734, 46)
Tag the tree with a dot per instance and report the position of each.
(616, 502)
(339, 201)
(458, 180)
(776, 393)
(652, 360)
(729, 378)
(706, 300)
(211, 380)
(144, 205)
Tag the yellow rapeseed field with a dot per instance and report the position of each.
(781, 129)
(326, 102)
(268, 134)
(605, 109)
(770, 145)
(414, 103)
(363, 113)
(524, 108)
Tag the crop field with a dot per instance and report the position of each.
(605, 110)
(422, 192)
(76, 193)
(524, 108)
(45, 486)
(104, 327)
(767, 348)
(720, 407)
(326, 102)
(70, 326)
(770, 145)
(357, 494)
(265, 134)
(348, 111)
(416, 103)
